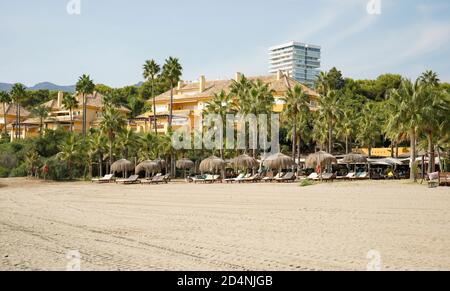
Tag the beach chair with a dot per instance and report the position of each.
(361, 176)
(107, 179)
(289, 177)
(349, 176)
(277, 176)
(199, 179)
(433, 180)
(134, 179)
(268, 177)
(212, 179)
(240, 177)
(253, 179)
(314, 176)
(328, 177)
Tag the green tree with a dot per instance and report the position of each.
(69, 151)
(41, 112)
(151, 71)
(429, 78)
(85, 86)
(111, 124)
(296, 111)
(172, 71)
(128, 142)
(18, 92)
(5, 98)
(330, 109)
(369, 126)
(70, 103)
(97, 149)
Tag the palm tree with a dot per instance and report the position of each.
(429, 78)
(172, 71)
(322, 83)
(18, 91)
(319, 133)
(127, 141)
(369, 126)
(151, 71)
(149, 147)
(330, 108)
(221, 104)
(85, 86)
(69, 151)
(296, 109)
(97, 148)
(70, 103)
(111, 124)
(5, 98)
(32, 162)
(40, 111)
(406, 105)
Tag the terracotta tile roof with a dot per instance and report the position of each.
(93, 100)
(12, 110)
(191, 90)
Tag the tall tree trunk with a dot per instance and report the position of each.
(71, 120)
(171, 106)
(154, 108)
(413, 173)
(84, 115)
(100, 165)
(396, 148)
(110, 154)
(346, 145)
(392, 149)
(294, 139)
(299, 150)
(431, 155)
(330, 138)
(4, 119)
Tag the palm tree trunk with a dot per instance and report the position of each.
(71, 120)
(84, 115)
(171, 105)
(154, 108)
(110, 154)
(100, 165)
(4, 119)
(413, 156)
(41, 122)
(294, 139)
(392, 149)
(346, 145)
(431, 155)
(396, 148)
(330, 138)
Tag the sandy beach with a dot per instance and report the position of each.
(224, 227)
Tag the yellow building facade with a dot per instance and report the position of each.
(190, 99)
(10, 115)
(59, 117)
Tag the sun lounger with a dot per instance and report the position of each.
(268, 177)
(361, 176)
(348, 177)
(289, 177)
(238, 178)
(253, 179)
(212, 179)
(314, 176)
(277, 176)
(199, 179)
(433, 180)
(107, 179)
(328, 177)
(134, 179)
(159, 179)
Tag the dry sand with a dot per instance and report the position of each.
(223, 227)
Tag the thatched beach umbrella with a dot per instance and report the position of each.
(245, 162)
(212, 165)
(320, 158)
(278, 162)
(162, 163)
(354, 159)
(148, 166)
(185, 164)
(122, 166)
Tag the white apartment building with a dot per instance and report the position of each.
(298, 60)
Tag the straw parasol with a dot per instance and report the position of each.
(245, 162)
(162, 163)
(212, 164)
(320, 158)
(185, 164)
(278, 161)
(354, 159)
(147, 166)
(122, 166)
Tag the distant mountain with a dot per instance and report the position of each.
(52, 87)
(41, 86)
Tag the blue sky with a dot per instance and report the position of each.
(111, 39)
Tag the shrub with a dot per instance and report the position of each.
(4, 173)
(20, 171)
(306, 183)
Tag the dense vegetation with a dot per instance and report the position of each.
(389, 111)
